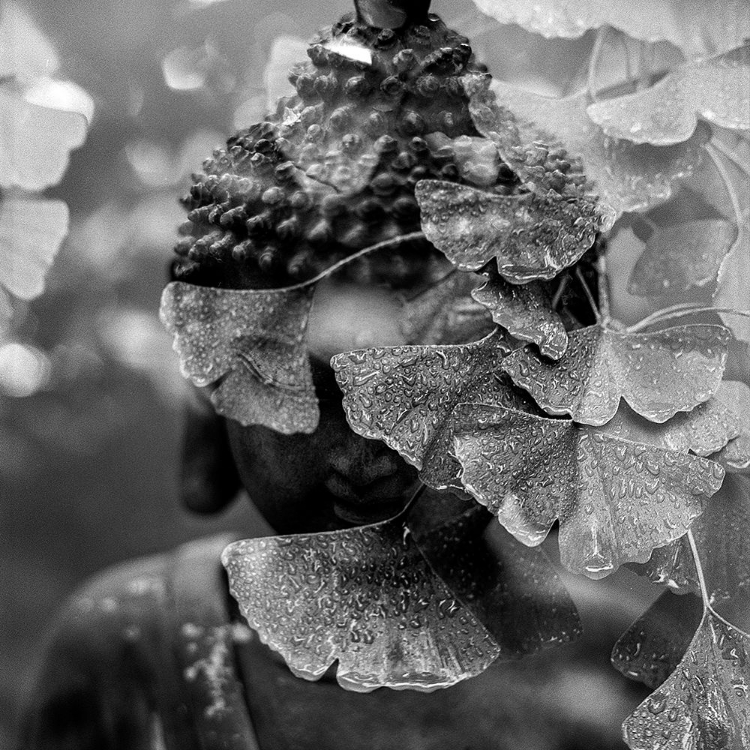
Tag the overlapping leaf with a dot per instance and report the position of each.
(252, 343)
(627, 176)
(705, 430)
(716, 89)
(525, 311)
(532, 236)
(682, 257)
(657, 373)
(695, 26)
(406, 395)
(368, 599)
(446, 313)
(722, 541)
(735, 456)
(31, 232)
(616, 500)
(652, 647)
(706, 701)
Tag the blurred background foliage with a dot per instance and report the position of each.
(90, 396)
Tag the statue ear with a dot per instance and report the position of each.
(208, 480)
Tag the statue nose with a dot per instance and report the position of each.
(363, 461)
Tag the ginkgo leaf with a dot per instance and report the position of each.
(35, 142)
(733, 287)
(652, 647)
(446, 313)
(31, 232)
(368, 599)
(616, 500)
(705, 430)
(532, 236)
(716, 89)
(25, 51)
(658, 373)
(695, 26)
(706, 701)
(735, 456)
(626, 176)
(722, 541)
(252, 343)
(682, 257)
(405, 396)
(525, 311)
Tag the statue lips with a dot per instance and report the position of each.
(369, 502)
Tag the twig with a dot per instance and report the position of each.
(589, 296)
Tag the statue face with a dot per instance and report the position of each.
(331, 478)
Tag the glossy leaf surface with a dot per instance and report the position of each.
(525, 311)
(716, 89)
(680, 258)
(626, 176)
(405, 396)
(368, 599)
(531, 236)
(652, 647)
(31, 232)
(735, 456)
(695, 26)
(446, 313)
(657, 373)
(706, 701)
(252, 343)
(616, 500)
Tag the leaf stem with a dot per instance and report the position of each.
(589, 296)
(559, 291)
(713, 153)
(699, 570)
(604, 288)
(393, 242)
(731, 156)
(596, 54)
(681, 311)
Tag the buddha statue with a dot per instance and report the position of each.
(319, 202)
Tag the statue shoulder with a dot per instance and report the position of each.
(131, 649)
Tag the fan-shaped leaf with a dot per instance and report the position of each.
(525, 311)
(446, 313)
(252, 343)
(31, 232)
(616, 500)
(716, 89)
(657, 373)
(735, 456)
(695, 26)
(722, 541)
(24, 50)
(531, 236)
(35, 142)
(405, 396)
(706, 701)
(681, 257)
(652, 647)
(704, 430)
(627, 177)
(368, 599)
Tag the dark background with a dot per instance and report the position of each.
(88, 462)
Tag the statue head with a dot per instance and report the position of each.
(296, 203)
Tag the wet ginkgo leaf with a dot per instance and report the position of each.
(735, 456)
(716, 89)
(616, 500)
(405, 396)
(658, 373)
(35, 142)
(25, 51)
(705, 430)
(682, 257)
(652, 647)
(733, 287)
(525, 311)
(252, 343)
(446, 313)
(706, 701)
(626, 176)
(364, 597)
(31, 232)
(532, 236)
(695, 26)
(722, 541)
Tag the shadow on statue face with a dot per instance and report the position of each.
(332, 478)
